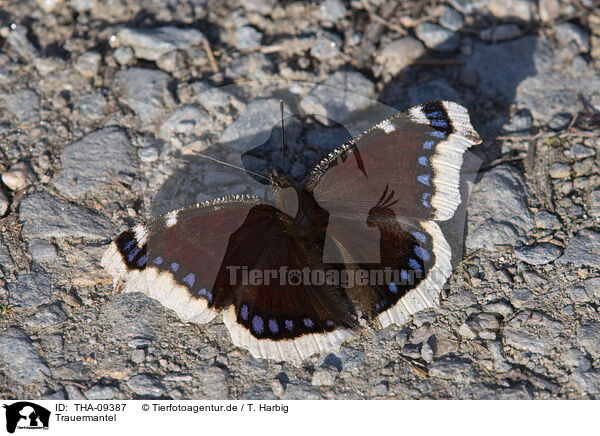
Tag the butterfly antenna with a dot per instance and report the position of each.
(282, 135)
(230, 165)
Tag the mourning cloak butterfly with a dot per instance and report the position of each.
(293, 276)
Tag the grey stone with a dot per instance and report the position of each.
(451, 368)
(468, 7)
(5, 258)
(567, 33)
(146, 385)
(501, 307)
(253, 66)
(326, 48)
(467, 331)
(101, 392)
(88, 162)
(300, 390)
(150, 44)
(578, 294)
(253, 127)
(538, 254)
(498, 214)
(215, 383)
(583, 249)
(399, 54)
(144, 91)
(430, 91)
(3, 204)
(587, 382)
(18, 41)
(487, 321)
(502, 32)
(560, 121)
(339, 96)
(532, 78)
(258, 392)
(437, 38)
(45, 216)
(507, 9)
(123, 55)
(133, 316)
(579, 151)
(592, 286)
(277, 387)
(88, 63)
(549, 10)
(74, 393)
(262, 7)
(332, 10)
(46, 316)
(148, 154)
(245, 38)
(546, 220)
(520, 297)
(583, 167)
(521, 121)
(351, 358)
(185, 123)
(575, 358)
(533, 332)
(588, 336)
(23, 105)
(451, 19)
(559, 170)
(32, 289)
(138, 355)
(21, 362)
(324, 377)
(92, 106)
(17, 177)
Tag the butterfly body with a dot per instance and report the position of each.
(293, 276)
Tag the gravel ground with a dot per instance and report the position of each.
(104, 104)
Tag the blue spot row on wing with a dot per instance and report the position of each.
(265, 326)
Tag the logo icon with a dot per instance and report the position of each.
(26, 415)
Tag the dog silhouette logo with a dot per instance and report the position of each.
(26, 415)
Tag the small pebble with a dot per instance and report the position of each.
(549, 10)
(546, 220)
(451, 19)
(580, 151)
(88, 63)
(559, 171)
(148, 154)
(437, 38)
(277, 388)
(16, 178)
(511, 9)
(583, 166)
(467, 332)
(379, 390)
(42, 251)
(324, 377)
(138, 355)
(123, 55)
(560, 121)
(487, 321)
(3, 204)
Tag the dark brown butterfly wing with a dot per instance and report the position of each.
(398, 177)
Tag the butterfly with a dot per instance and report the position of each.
(294, 275)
